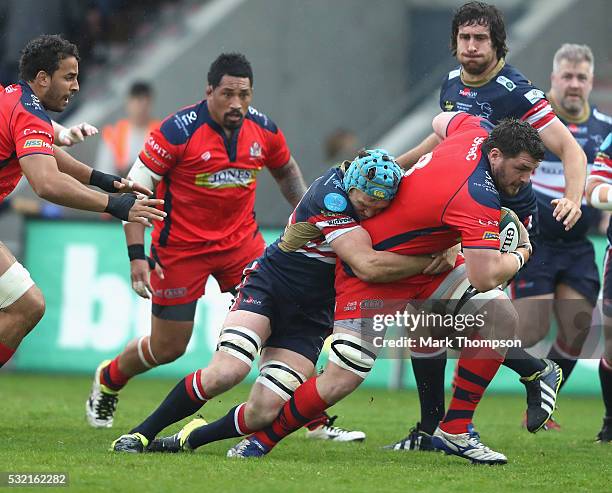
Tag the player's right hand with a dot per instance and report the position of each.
(566, 210)
(140, 273)
(145, 209)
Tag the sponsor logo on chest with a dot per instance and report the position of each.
(466, 92)
(227, 178)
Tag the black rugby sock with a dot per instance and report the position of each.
(566, 364)
(229, 426)
(429, 376)
(180, 403)
(605, 378)
(522, 362)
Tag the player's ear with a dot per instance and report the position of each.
(42, 78)
(209, 90)
(495, 154)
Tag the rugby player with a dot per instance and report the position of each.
(563, 266)
(49, 70)
(203, 160)
(485, 85)
(599, 194)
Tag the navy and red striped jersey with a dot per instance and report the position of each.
(302, 257)
(209, 180)
(25, 129)
(505, 93)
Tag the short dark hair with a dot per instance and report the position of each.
(512, 136)
(140, 89)
(45, 53)
(234, 64)
(482, 14)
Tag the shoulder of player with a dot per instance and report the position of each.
(511, 73)
(261, 120)
(26, 101)
(480, 185)
(180, 126)
(328, 195)
(602, 117)
(453, 74)
(510, 84)
(450, 79)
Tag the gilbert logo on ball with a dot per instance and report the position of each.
(509, 230)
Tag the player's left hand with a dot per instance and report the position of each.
(566, 210)
(77, 133)
(443, 261)
(130, 186)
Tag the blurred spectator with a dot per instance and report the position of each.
(341, 144)
(91, 24)
(122, 141)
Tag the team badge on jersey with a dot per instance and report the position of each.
(534, 96)
(448, 105)
(255, 150)
(485, 109)
(335, 202)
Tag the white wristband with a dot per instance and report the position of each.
(595, 202)
(519, 259)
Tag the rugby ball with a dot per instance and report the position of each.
(509, 230)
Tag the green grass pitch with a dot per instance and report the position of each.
(44, 429)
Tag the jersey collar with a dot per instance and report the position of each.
(500, 65)
(565, 116)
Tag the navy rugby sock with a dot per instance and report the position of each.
(229, 426)
(182, 401)
(605, 378)
(429, 376)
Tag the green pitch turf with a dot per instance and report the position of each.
(43, 429)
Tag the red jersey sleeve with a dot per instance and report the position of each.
(541, 114)
(158, 154)
(277, 154)
(32, 133)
